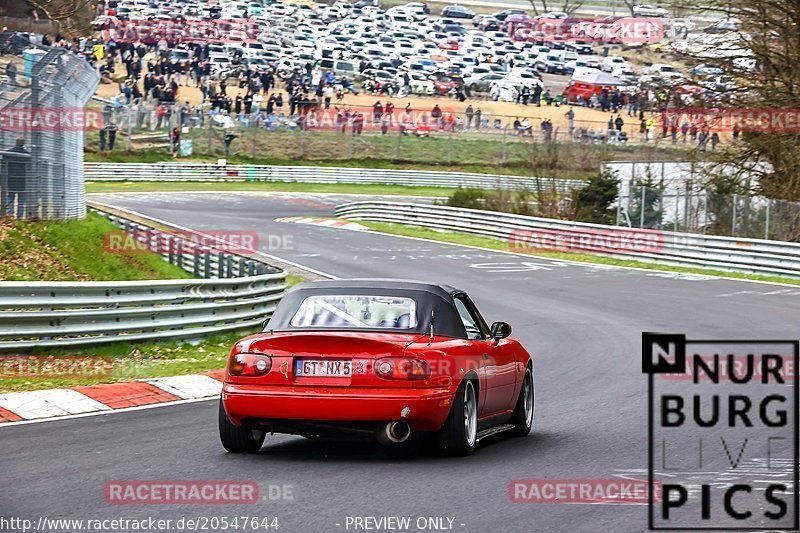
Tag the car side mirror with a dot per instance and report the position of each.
(500, 330)
(264, 324)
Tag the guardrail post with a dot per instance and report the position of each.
(196, 257)
(171, 250)
(207, 265)
(179, 253)
(241, 266)
(228, 266)
(733, 217)
(677, 202)
(705, 212)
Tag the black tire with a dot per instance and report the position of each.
(522, 418)
(453, 437)
(238, 439)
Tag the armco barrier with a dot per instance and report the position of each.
(238, 292)
(751, 256)
(415, 178)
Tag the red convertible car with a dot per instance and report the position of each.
(378, 357)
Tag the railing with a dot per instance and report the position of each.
(308, 174)
(523, 233)
(238, 292)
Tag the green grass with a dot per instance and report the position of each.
(157, 156)
(497, 244)
(131, 361)
(73, 250)
(268, 186)
(464, 152)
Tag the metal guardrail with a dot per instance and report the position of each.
(237, 292)
(415, 178)
(752, 256)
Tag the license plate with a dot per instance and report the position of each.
(323, 368)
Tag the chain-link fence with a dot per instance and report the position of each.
(701, 211)
(344, 132)
(43, 92)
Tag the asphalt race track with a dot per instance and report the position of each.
(582, 323)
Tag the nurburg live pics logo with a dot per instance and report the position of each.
(722, 433)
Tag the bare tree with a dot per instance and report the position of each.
(540, 7)
(71, 16)
(60, 10)
(761, 59)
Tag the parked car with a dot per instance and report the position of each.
(504, 91)
(380, 357)
(648, 10)
(457, 12)
(503, 15)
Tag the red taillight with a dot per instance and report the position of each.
(249, 364)
(402, 368)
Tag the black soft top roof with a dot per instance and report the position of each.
(434, 303)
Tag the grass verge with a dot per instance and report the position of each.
(130, 361)
(497, 244)
(515, 168)
(73, 250)
(265, 186)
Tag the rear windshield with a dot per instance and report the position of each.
(354, 311)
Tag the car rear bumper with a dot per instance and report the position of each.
(427, 407)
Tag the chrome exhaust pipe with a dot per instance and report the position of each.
(394, 432)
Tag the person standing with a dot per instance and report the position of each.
(227, 140)
(112, 135)
(478, 118)
(470, 114)
(570, 121)
(11, 73)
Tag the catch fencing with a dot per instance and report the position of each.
(532, 234)
(43, 92)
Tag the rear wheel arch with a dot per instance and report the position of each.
(472, 376)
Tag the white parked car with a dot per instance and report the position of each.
(504, 91)
(611, 62)
(420, 83)
(662, 70)
(647, 10)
